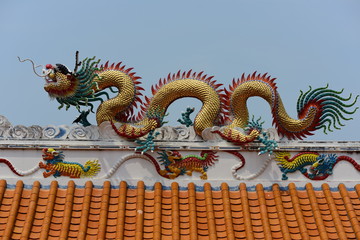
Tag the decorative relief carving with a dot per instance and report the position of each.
(4, 126)
(80, 132)
(104, 131)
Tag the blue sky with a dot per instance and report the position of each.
(301, 43)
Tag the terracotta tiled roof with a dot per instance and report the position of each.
(192, 212)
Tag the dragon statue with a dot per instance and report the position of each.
(175, 164)
(56, 166)
(320, 165)
(320, 108)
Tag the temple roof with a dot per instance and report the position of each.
(174, 212)
(105, 189)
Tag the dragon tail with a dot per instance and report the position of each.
(12, 168)
(320, 108)
(350, 160)
(156, 164)
(91, 168)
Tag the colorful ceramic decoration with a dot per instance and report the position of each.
(56, 166)
(176, 164)
(319, 108)
(312, 165)
(12, 168)
(185, 117)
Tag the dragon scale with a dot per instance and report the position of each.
(190, 88)
(108, 110)
(157, 106)
(263, 86)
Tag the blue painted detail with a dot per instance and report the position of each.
(234, 188)
(185, 117)
(197, 188)
(323, 166)
(269, 145)
(147, 144)
(61, 133)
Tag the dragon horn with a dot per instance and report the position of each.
(33, 65)
(77, 63)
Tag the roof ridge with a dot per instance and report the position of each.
(246, 211)
(335, 215)
(298, 213)
(65, 226)
(263, 211)
(350, 210)
(139, 225)
(13, 211)
(121, 210)
(316, 211)
(85, 210)
(281, 213)
(227, 211)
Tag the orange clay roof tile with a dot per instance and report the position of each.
(195, 212)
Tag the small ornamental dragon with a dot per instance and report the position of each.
(320, 165)
(56, 166)
(176, 164)
(320, 108)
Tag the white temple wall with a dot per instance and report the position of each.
(21, 152)
(257, 169)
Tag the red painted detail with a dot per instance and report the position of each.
(128, 115)
(339, 159)
(233, 140)
(49, 66)
(122, 131)
(3, 160)
(156, 164)
(240, 156)
(317, 178)
(350, 160)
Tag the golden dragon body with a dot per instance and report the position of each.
(318, 108)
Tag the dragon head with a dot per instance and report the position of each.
(60, 81)
(173, 155)
(51, 155)
(323, 165)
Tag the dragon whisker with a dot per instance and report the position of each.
(33, 65)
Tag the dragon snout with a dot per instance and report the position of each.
(315, 164)
(49, 74)
(176, 153)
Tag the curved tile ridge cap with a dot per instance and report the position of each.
(95, 212)
(103, 132)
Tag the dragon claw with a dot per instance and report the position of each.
(185, 117)
(284, 177)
